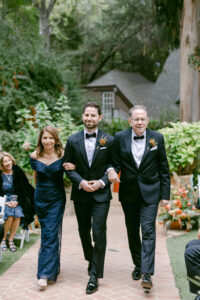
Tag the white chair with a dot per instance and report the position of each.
(23, 236)
(2, 210)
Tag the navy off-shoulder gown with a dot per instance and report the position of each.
(49, 201)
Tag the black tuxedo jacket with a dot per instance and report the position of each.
(75, 153)
(152, 178)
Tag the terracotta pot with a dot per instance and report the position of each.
(116, 185)
(181, 180)
(175, 225)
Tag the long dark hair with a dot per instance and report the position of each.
(54, 132)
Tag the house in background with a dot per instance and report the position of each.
(118, 91)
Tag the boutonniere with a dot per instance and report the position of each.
(152, 143)
(102, 142)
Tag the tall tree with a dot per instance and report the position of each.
(190, 78)
(45, 8)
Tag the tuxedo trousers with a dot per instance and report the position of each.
(93, 216)
(192, 262)
(141, 214)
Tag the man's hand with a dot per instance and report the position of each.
(164, 203)
(95, 184)
(86, 186)
(113, 176)
(69, 166)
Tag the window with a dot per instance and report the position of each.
(108, 99)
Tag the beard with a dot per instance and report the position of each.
(90, 125)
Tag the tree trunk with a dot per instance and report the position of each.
(44, 19)
(44, 27)
(189, 78)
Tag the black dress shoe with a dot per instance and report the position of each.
(146, 281)
(92, 285)
(136, 274)
(89, 267)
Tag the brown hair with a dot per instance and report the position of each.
(2, 155)
(92, 104)
(54, 132)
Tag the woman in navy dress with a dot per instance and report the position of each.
(50, 199)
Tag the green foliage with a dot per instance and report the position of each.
(114, 126)
(28, 75)
(182, 142)
(194, 59)
(23, 141)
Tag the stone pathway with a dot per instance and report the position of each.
(19, 282)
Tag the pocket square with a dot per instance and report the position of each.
(101, 148)
(154, 148)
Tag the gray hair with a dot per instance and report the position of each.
(137, 107)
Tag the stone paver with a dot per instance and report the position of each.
(19, 282)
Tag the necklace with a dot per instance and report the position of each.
(8, 176)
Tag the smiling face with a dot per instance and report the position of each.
(48, 141)
(7, 164)
(91, 118)
(139, 121)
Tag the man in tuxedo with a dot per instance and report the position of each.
(140, 155)
(192, 262)
(89, 150)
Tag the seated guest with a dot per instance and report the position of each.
(192, 261)
(19, 201)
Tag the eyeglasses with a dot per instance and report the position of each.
(136, 120)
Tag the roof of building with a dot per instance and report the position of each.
(133, 85)
(165, 92)
(160, 98)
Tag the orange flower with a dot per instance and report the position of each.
(189, 204)
(178, 211)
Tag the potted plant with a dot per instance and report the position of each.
(181, 209)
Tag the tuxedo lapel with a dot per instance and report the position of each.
(128, 143)
(82, 149)
(147, 146)
(97, 146)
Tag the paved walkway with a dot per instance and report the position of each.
(19, 282)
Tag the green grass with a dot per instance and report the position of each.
(9, 258)
(176, 248)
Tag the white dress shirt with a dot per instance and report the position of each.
(138, 147)
(90, 146)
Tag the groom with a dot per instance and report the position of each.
(140, 155)
(89, 151)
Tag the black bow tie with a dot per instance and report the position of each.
(90, 135)
(138, 137)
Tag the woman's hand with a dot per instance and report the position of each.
(69, 166)
(12, 204)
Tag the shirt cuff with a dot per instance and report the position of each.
(111, 168)
(102, 183)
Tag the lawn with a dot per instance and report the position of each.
(176, 247)
(8, 257)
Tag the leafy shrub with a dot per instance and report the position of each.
(182, 143)
(23, 141)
